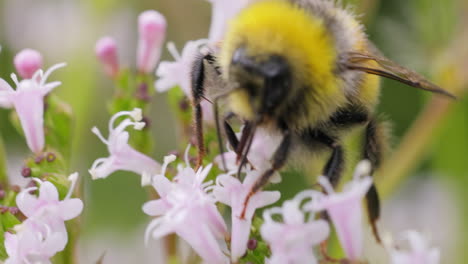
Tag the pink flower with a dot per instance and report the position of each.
(263, 146)
(106, 51)
(222, 12)
(47, 209)
(419, 251)
(122, 155)
(28, 100)
(232, 192)
(345, 209)
(152, 30)
(186, 209)
(177, 73)
(31, 247)
(292, 240)
(43, 233)
(27, 62)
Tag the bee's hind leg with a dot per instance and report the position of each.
(278, 161)
(374, 147)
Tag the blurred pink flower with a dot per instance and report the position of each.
(222, 12)
(185, 208)
(27, 62)
(292, 240)
(345, 209)
(28, 100)
(106, 51)
(419, 251)
(232, 192)
(122, 155)
(152, 31)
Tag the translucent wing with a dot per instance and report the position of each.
(389, 69)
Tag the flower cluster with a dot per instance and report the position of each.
(43, 233)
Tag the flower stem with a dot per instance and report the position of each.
(3, 169)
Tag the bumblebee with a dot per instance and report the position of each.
(306, 70)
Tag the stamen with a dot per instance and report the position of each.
(363, 168)
(186, 155)
(326, 184)
(139, 125)
(97, 132)
(15, 79)
(167, 159)
(134, 114)
(49, 71)
(173, 51)
(73, 178)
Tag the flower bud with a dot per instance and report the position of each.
(27, 62)
(152, 30)
(106, 51)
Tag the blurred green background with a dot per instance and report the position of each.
(428, 36)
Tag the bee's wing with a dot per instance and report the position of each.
(389, 69)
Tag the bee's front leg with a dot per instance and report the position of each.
(278, 161)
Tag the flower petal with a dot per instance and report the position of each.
(70, 208)
(29, 105)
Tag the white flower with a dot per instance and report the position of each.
(231, 191)
(292, 240)
(186, 209)
(345, 209)
(28, 101)
(122, 155)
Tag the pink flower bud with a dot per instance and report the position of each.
(152, 30)
(106, 51)
(27, 62)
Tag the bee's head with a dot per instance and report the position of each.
(263, 81)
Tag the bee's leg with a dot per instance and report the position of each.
(374, 147)
(279, 159)
(198, 89)
(335, 165)
(230, 134)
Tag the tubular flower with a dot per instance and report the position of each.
(152, 30)
(419, 251)
(106, 51)
(43, 233)
(28, 100)
(185, 208)
(232, 192)
(122, 155)
(292, 240)
(345, 208)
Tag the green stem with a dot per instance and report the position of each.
(3, 169)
